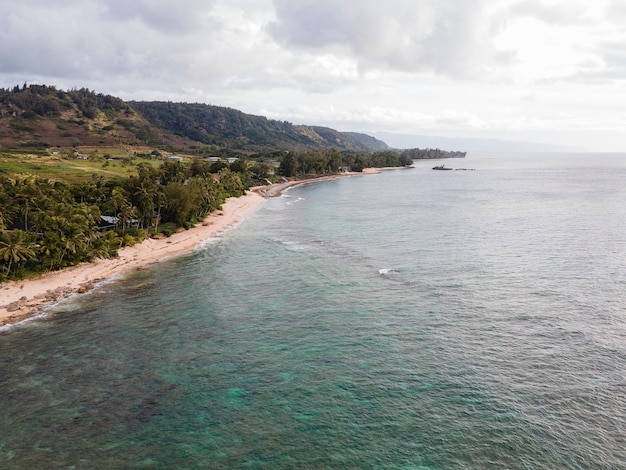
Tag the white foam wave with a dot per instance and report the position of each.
(10, 326)
(292, 245)
(289, 203)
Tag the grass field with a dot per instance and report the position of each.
(60, 168)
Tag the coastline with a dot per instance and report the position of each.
(22, 300)
(276, 190)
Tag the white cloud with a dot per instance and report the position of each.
(445, 66)
(553, 13)
(174, 18)
(444, 36)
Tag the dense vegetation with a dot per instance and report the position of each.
(421, 154)
(230, 128)
(39, 116)
(47, 225)
(43, 100)
(319, 162)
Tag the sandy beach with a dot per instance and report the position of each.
(276, 190)
(20, 300)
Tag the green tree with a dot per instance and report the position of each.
(7, 204)
(335, 161)
(126, 214)
(26, 192)
(287, 166)
(239, 166)
(200, 167)
(261, 170)
(144, 200)
(233, 186)
(173, 171)
(180, 203)
(15, 249)
(359, 163)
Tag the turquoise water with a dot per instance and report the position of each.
(412, 319)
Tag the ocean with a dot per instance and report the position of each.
(412, 319)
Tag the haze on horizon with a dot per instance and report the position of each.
(548, 71)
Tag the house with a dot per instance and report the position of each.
(109, 219)
(175, 158)
(109, 222)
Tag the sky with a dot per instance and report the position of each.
(548, 71)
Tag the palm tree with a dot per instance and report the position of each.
(7, 208)
(3, 218)
(26, 190)
(51, 249)
(144, 197)
(118, 199)
(14, 249)
(126, 213)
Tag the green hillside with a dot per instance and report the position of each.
(226, 127)
(40, 117)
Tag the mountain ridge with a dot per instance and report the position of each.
(40, 116)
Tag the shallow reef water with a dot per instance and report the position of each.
(410, 319)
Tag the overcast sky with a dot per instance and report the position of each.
(551, 71)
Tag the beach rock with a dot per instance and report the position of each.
(86, 287)
(13, 306)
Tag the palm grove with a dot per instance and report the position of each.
(48, 225)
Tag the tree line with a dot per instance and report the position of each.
(420, 154)
(42, 100)
(46, 225)
(319, 162)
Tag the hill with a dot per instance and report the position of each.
(40, 116)
(226, 127)
(368, 140)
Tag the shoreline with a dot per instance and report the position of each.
(277, 190)
(23, 300)
(26, 299)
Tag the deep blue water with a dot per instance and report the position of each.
(412, 319)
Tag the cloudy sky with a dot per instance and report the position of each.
(551, 71)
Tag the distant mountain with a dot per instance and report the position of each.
(40, 116)
(368, 140)
(402, 141)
